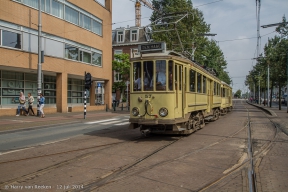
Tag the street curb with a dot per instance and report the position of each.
(270, 112)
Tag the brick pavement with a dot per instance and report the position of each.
(273, 168)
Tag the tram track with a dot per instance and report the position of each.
(116, 175)
(248, 163)
(60, 164)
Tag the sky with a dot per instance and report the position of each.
(230, 20)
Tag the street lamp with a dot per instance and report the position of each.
(273, 25)
(39, 67)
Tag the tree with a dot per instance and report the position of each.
(238, 93)
(121, 65)
(283, 28)
(169, 16)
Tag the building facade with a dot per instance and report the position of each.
(75, 40)
(126, 40)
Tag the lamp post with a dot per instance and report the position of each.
(39, 66)
(273, 25)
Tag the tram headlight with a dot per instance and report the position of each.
(135, 111)
(163, 112)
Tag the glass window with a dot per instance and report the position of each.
(11, 39)
(96, 59)
(180, 77)
(137, 76)
(47, 6)
(42, 5)
(134, 35)
(199, 83)
(12, 75)
(71, 52)
(120, 36)
(160, 77)
(97, 27)
(71, 15)
(148, 74)
(175, 78)
(30, 43)
(75, 91)
(85, 21)
(54, 48)
(32, 3)
(85, 57)
(204, 84)
(192, 80)
(215, 88)
(57, 8)
(170, 73)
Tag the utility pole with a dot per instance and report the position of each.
(39, 66)
(287, 82)
(258, 26)
(259, 101)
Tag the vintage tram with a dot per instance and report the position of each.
(171, 94)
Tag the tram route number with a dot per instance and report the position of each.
(148, 96)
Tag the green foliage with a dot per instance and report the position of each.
(238, 93)
(190, 28)
(283, 28)
(121, 65)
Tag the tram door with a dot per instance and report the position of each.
(178, 79)
(210, 94)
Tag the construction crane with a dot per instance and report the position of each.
(138, 11)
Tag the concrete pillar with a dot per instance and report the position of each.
(92, 94)
(61, 92)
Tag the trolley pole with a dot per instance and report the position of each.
(85, 104)
(39, 66)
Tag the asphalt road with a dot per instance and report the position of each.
(27, 138)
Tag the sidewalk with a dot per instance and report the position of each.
(280, 117)
(14, 123)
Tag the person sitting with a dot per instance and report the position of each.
(21, 104)
(160, 80)
(138, 83)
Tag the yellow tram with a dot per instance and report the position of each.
(170, 94)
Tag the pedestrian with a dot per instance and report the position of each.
(21, 104)
(42, 102)
(30, 103)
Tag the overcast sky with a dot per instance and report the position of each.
(230, 20)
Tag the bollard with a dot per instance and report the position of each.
(128, 107)
(114, 106)
(106, 107)
(122, 107)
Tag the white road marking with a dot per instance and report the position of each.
(125, 123)
(107, 123)
(93, 122)
(16, 150)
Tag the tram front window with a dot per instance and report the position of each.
(137, 76)
(160, 76)
(148, 74)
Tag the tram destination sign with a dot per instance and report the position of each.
(152, 47)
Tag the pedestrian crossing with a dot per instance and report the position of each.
(113, 121)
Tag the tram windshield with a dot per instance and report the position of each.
(148, 76)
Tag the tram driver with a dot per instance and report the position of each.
(138, 83)
(160, 78)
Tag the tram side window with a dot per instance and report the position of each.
(204, 84)
(215, 88)
(137, 76)
(192, 80)
(148, 75)
(170, 73)
(223, 92)
(180, 77)
(160, 77)
(175, 78)
(199, 83)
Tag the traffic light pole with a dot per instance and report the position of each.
(85, 104)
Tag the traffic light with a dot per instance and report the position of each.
(88, 81)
